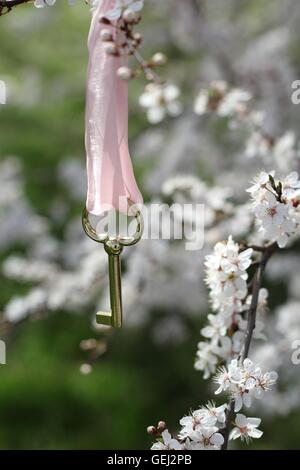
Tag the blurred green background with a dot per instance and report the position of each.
(45, 403)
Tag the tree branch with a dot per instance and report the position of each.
(7, 5)
(256, 285)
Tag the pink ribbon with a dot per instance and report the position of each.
(111, 181)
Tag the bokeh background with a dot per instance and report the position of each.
(58, 390)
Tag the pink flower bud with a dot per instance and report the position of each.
(161, 426)
(151, 430)
(104, 20)
(110, 48)
(106, 35)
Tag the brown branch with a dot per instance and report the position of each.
(12, 3)
(256, 285)
(229, 417)
(7, 5)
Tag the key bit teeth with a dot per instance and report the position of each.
(107, 319)
(104, 318)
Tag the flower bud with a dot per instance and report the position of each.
(129, 16)
(87, 344)
(161, 426)
(159, 59)
(151, 430)
(134, 44)
(85, 369)
(104, 20)
(110, 48)
(106, 35)
(125, 73)
(137, 37)
(137, 18)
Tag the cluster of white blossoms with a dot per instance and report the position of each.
(161, 100)
(200, 430)
(226, 277)
(49, 3)
(283, 151)
(93, 3)
(126, 9)
(244, 381)
(235, 104)
(223, 100)
(118, 36)
(204, 429)
(122, 8)
(276, 206)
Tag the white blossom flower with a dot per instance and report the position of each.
(237, 261)
(273, 207)
(234, 283)
(260, 182)
(222, 100)
(228, 377)
(217, 412)
(216, 328)
(160, 100)
(188, 186)
(271, 213)
(241, 397)
(282, 151)
(264, 382)
(285, 152)
(50, 3)
(121, 6)
(20, 307)
(246, 428)
(209, 100)
(226, 272)
(291, 186)
(259, 146)
(194, 422)
(42, 3)
(167, 443)
(234, 103)
(206, 360)
(244, 381)
(206, 439)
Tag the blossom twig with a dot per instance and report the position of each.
(256, 284)
(229, 417)
(6, 6)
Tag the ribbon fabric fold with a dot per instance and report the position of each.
(111, 181)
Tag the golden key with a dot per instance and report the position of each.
(113, 247)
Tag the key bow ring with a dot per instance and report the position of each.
(113, 247)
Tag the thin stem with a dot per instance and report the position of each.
(229, 417)
(6, 6)
(148, 71)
